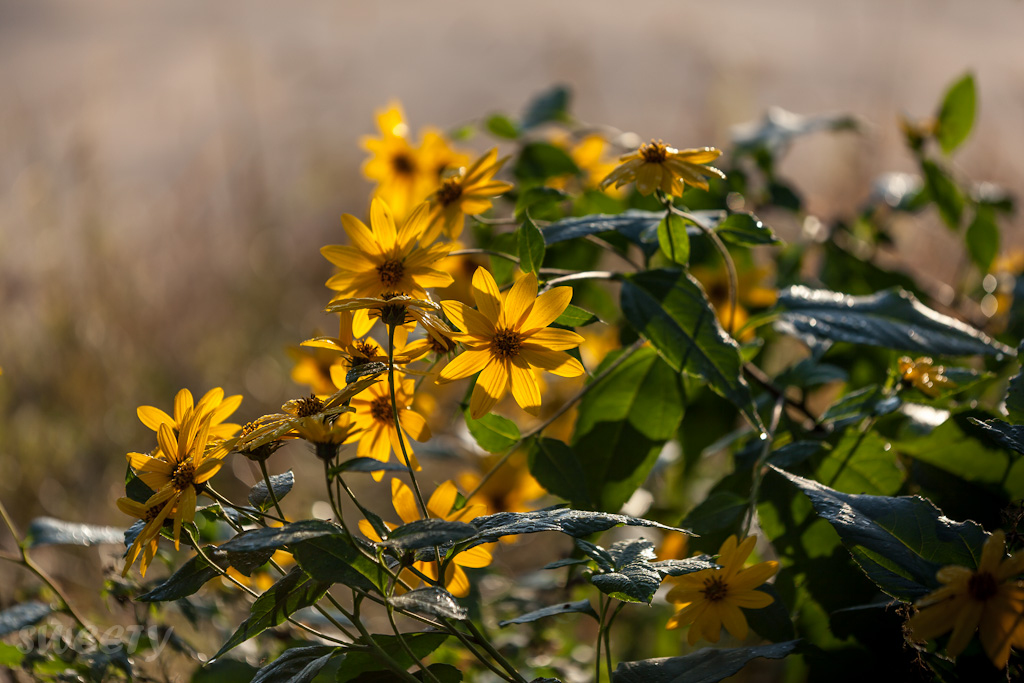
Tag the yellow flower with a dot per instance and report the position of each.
(589, 156)
(177, 474)
(405, 174)
(313, 368)
(467, 193)
(750, 293)
(712, 598)
(657, 166)
(212, 402)
(440, 507)
(512, 489)
(923, 375)
(378, 433)
(507, 339)
(358, 352)
(989, 600)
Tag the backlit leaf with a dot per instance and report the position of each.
(956, 115)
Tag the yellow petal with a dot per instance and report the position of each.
(491, 386)
(734, 621)
(404, 501)
(465, 364)
(556, 362)
(524, 386)
(518, 301)
(475, 558)
(648, 178)
(553, 339)
(442, 500)
(467, 319)
(486, 295)
(360, 235)
(547, 308)
(153, 417)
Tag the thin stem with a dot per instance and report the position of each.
(607, 247)
(485, 643)
(603, 607)
(27, 562)
(608, 636)
(405, 646)
(584, 275)
(468, 644)
(557, 414)
(398, 424)
(270, 487)
(766, 449)
(383, 656)
(730, 266)
(758, 375)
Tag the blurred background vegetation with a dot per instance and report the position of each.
(169, 171)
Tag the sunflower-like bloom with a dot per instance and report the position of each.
(712, 598)
(378, 433)
(182, 466)
(656, 166)
(989, 600)
(507, 339)
(751, 293)
(147, 541)
(440, 507)
(397, 310)
(358, 352)
(406, 174)
(212, 402)
(467, 193)
(922, 374)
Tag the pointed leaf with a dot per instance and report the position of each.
(295, 590)
(371, 369)
(579, 607)
(746, 230)
(336, 559)
(900, 543)
(282, 483)
(633, 579)
(359, 662)
(366, 465)
(892, 319)
(493, 433)
(673, 240)
(297, 665)
(501, 126)
(669, 309)
(943, 191)
(550, 105)
(50, 531)
(982, 238)
(531, 247)
(956, 115)
(861, 462)
(542, 160)
(704, 666)
(280, 536)
(639, 227)
(574, 316)
(189, 578)
(680, 567)
(431, 601)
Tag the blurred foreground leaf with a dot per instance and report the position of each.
(22, 616)
(50, 531)
(578, 607)
(704, 666)
(431, 601)
(956, 115)
(282, 483)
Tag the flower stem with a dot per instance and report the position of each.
(766, 449)
(270, 488)
(398, 424)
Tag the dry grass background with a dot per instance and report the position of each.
(168, 170)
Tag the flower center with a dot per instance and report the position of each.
(366, 348)
(249, 427)
(507, 343)
(390, 272)
(982, 586)
(450, 191)
(152, 513)
(654, 152)
(715, 589)
(380, 410)
(403, 164)
(183, 475)
(310, 405)
(440, 347)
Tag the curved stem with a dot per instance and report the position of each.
(730, 266)
(584, 275)
(378, 651)
(408, 650)
(485, 643)
(398, 424)
(557, 414)
(270, 488)
(766, 449)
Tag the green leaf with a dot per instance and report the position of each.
(541, 202)
(944, 192)
(900, 543)
(282, 483)
(502, 126)
(575, 523)
(50, 531)
(892, 319)
(295, 590)
(639, 227)
(578, 607)
(542, 160)
(622, 424)
(224, 671)
(1015, 393)
(550, 105)
(189, 578)
(983, 238)
(531, 247)
(704, 666)
(746, 230)
(961, 447)
(862, 462)
(366, 465)
(335, 559)
(632, 577)
(297, 665)
(673, 240)
(869, 401)
(280, 536)
(574, 316)
(23, 615)
(493, 433)
(773, 621)
(557, 468)
(956, 115)
(356, 663)
(427, 533)
(431, 601)
(669, 309)
(719, 511)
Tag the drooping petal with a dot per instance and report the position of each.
(964, 626)
(153, 417)
(404, 501)
(414, 425)
(475, 558)
(456, 581)
(733, 620)
(442, 500)
(648, 178)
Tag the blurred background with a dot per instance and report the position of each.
(169, 170)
